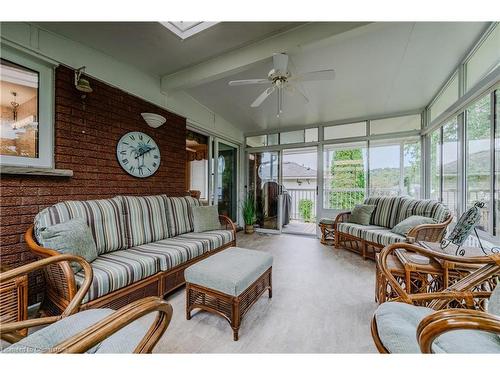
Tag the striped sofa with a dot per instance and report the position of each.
(143, 244)
(367, 240)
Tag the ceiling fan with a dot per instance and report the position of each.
(280, 79)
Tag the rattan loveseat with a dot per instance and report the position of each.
(143, 245)
(367, 240)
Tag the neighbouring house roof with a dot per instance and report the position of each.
(290, 170)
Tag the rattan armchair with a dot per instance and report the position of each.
(459, 307)
(104, 325)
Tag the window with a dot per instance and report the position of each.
(345, 171)
(385, 168)
(311, 135)
(395, 124)
(411, 170)
(435, 165)
(272, 139)
(19, 110)
(292, 137)
(485, 58)
(357, 129)
(478, 157)
(26, 116)
(450, 165)
(497, 164)
(447, 97)
(186, 29)
(257, 141)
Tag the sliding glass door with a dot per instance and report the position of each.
(227, 161)
(263, 185)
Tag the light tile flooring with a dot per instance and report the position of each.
(323, 301)
(298, 227)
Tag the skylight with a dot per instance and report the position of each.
(186, 29)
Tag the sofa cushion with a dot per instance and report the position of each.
(71, 237)
(211, 239)
(122, 268)
(385, 215)
(397, 326)
(361, 214)
(116, 270)
(47, 338)
(411, 222)
(422, 207)
(356, 230)
(205, 218)
(382, 236)
(103, 216)
(146, 219)
(180, 214)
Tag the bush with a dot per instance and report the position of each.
(305, 209)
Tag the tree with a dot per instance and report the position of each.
(348, 178)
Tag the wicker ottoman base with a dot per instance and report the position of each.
(232, 308)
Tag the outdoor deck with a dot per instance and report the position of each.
(298, 227)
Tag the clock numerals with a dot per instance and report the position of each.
(140, 171)
(155, 156)
(132, 169)
(140, 137)
(154, 165)
(149, 140)
(132, 137)
(123, 152)
(125, 161)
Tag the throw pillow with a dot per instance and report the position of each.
(71, 237)
(361, 214)
(205, 218)
(404, 226)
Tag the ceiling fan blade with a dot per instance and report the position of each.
(319, 75)
(280, 62)
(260, 99)
(241, 82)
(295, 90)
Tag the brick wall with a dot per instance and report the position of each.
(85, 141)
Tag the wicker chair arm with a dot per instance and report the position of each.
(434, 325)
(341, 218)
(491, 265)
(228, 222)
(74, 304)
(429, 232)
(95, 334)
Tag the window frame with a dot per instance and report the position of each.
(46, 99)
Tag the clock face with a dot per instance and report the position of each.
(138, 154)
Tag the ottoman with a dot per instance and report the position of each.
(228, 283)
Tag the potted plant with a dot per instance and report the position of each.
(248, 209)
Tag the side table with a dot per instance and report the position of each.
(327, 232)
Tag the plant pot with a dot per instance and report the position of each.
(249, 228)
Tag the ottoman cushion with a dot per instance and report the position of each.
(230, 271)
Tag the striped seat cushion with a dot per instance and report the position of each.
(382, 236)
(385, 214)
(103, 216)
(146, 219)
(211, 240)
(180, 215)
(422, 207)
(122, 268)
(356, 230)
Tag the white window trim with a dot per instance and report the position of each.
(45, 157)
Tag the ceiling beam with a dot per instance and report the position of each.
(243, 58)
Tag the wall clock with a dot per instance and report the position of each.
(138, 154)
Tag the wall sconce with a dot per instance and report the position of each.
(82, 84)
(153, 120)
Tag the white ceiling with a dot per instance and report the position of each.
(380, 68)
(153, 48)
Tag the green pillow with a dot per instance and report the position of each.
(71, 237)
(361, 214)
(404, 227)
(205, 218)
